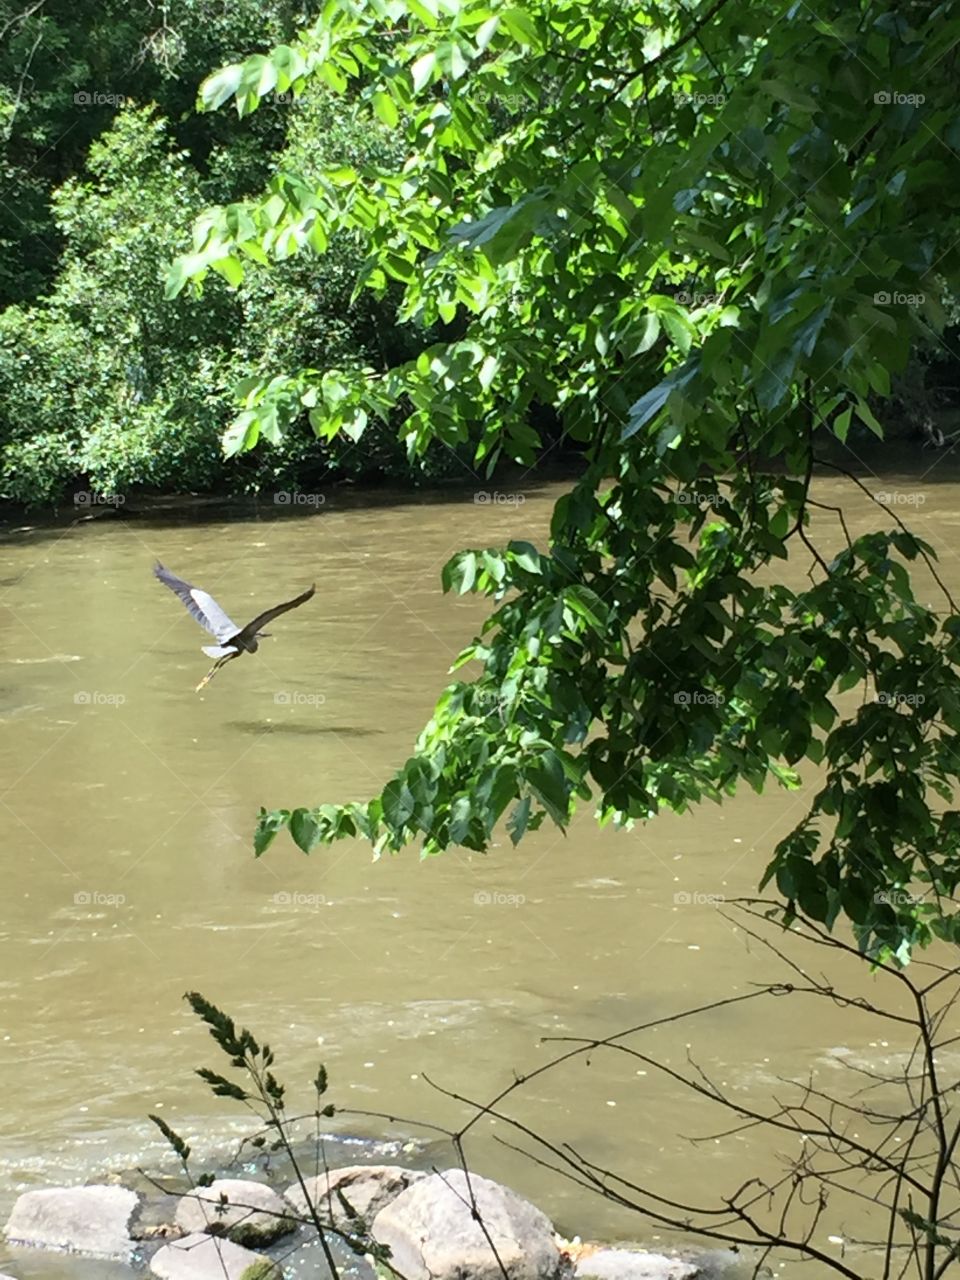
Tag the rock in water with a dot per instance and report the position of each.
(93, 1220)
(625, 1264)
(254, 1215)
(205, 1257)
(433, 1235)
(367, 1188)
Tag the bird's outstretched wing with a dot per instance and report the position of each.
(199, 605)
(268, 615)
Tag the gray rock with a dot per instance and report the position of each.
(205, 1257)
(726, 1264)
(254, 1214)
(367, 1188)
(431, 1230)
(93, 1220)
(628, 1264)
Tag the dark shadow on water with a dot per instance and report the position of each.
(156, 512)
(297, 728)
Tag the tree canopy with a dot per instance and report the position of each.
(100, 380)
(704, 236)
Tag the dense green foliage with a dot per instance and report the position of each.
(64, 71)
(99, 377)
(702, 236)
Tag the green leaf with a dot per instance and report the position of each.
(460, 573)
(355, 423)
(782, 90)
(231, 269)
(503, 231)
(426, 10)
(841, 424)
(519, 24)
(646, 408)
(517, 822)
(223, 84)
(176, 280)
(486, 31)
(548, 783)
(461, 814)
(242, 435)
(588, 605)
(866, 415)
(680, 329)
(386, 109)
(650, 332)
(525, 556)
(304, 830)
(423, 70)
(488, 371)
(398, 803)
(268, 824)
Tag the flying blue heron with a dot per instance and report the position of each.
(231, 639)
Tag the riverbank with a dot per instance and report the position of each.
(363, 1220)
(901, 454)
(291, 496)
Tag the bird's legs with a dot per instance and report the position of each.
(214, 669)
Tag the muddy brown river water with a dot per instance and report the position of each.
(127, 812)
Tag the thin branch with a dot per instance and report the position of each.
(860, 485)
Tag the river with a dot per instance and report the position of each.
(127, 816)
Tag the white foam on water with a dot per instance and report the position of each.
(54, 657)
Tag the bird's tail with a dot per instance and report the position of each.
(217, 650)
